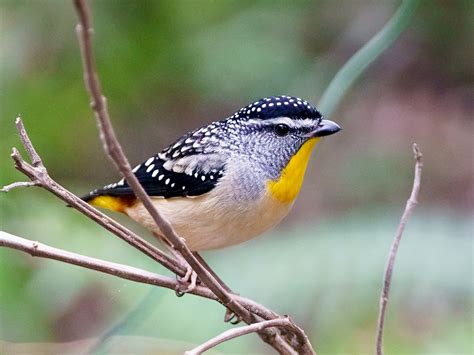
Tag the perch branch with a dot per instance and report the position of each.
(411, 204)
(40, 177)
(115, 152)
(240, 331)
(41, 250)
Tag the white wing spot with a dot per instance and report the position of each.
(135, 169)
(161, 177)
(150, 168)
(203, 177)
(155, 173)
(167, 181)
(148, 162)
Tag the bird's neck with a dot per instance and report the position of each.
(286, 188)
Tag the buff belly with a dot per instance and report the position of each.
(207, 222)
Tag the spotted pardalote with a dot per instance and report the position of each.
(229, 181)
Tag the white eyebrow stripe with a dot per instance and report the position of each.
(307, 122)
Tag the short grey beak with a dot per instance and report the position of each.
(325, 128)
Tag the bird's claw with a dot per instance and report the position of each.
(187, 283)
(231, 317)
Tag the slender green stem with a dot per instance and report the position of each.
(365, 56)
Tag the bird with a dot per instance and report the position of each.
(230, 181)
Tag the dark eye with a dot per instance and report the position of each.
(282, 129)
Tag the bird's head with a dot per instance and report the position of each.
(277, 129)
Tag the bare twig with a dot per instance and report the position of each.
(238, 332)
(18, 184)
(40, 177)
(411, 203)
(37, 249)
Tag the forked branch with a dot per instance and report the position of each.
(39, 177)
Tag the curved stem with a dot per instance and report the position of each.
(355, 66)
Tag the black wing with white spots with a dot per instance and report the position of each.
(159, 181)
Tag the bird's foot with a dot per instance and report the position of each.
(187, 283)
(231, 317)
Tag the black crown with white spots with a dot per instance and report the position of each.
(278, 106)
(171, 174)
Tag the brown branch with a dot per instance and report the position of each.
(40, 177)
(411, 204)
(240, 331)
(41, 250)
(114, 151)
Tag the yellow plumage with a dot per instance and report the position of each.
(287, 187)
(113, 203)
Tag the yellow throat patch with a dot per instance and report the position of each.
(287, 187)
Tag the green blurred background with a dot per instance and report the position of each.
(171, 66)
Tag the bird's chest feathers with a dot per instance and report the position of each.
(287, 186)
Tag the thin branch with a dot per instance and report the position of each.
(18, 184)
(36, 160)
(238, 332)
(411, 204)
(41, 250)
(40, 177)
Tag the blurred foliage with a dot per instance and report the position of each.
(171, 66)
